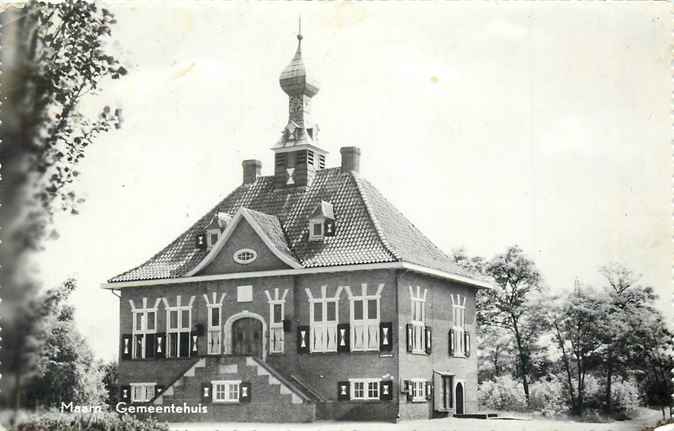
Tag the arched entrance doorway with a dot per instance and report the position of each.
(459, 398)
(247, 337)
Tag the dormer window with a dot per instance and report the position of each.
(322, 222)
(212, 237)
(215, 227)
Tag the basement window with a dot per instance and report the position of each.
(364, 389)
(226, 391)
(142, 392)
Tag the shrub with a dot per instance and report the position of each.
(625, 398)
(105, 421)
(547, 396)
(502, 393)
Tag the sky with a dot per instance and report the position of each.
(541, 124)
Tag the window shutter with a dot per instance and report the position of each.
(125, 346)
(429, 339)
(302, 339)
(287, 326)
(150, 345)
(429, 390)
(450, 342)
(184, 344)
(200, 241)
(199, 329)
(385, 336)
(206, 392)
(139, 347)
(125, 393)
(245, 392)
(466, 336)
(343, 391)
(386, 390)
(343, 334)
(329, 227)
(160, 351)
(158, 390)
(410, 333)
(195, 344)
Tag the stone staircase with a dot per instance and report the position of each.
(273, 398)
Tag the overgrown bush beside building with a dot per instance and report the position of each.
(105, 421)
(502, 393)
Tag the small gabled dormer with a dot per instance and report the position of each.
(322, 222)
(211, 234)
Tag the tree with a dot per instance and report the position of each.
(110, 373)
(509, 304)
(54, 55)
(578, 320)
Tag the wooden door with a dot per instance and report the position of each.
(459, 398)
(247, 337)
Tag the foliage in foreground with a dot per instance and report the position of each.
(56, 421)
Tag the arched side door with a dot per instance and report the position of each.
(459, 398)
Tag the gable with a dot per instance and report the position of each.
(243, 237)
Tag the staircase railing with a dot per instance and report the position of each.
(293, 387)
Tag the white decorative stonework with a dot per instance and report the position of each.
(244, 256)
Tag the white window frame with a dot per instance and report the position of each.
(459, 323)
(323, 333)
(276, 327)
(143, 330)
(226, 399)
(366, 327)
(209, 234)
(180, 328)
(418, 319)
(312, 235)
(366, 382)
(214, 332)
(147, 395)
(418, 390)
(237, 256)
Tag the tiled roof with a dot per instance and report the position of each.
(368, 228)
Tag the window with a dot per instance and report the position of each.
(245, 256)
(244, 293)
(418, 390)
(276, 334)
(418, 312)
(212, 236)
(144, 331)
(459, 324)
(365, 316)
(179, 320)
(364, 389)
(142, 392)
(214, 334)
(316, 229)
(226, 391)
(323, 321)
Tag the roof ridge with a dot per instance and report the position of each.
(373, 218)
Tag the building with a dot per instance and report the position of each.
(302, 295)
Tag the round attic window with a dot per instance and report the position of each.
(245, 256)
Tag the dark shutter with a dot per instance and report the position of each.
(150, 345)
(195, 344)
(158, 390)
(450, 342)
(302, 339)
(206, 392)
(287, 326)
(184, 344)
(173, 344)
(125, 393)
(198, 329)
(429, 391)
(466, 343)
(160, 351)
(410, 334)
(125, 346)
(385, 336)
(405, 388)
(429, 340)
(409, 390)
(329, 227)
(343, 337)
(245, 392)
(200, 242)
(386, 390)
(343, 391)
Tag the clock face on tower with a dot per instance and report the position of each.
(295, 104)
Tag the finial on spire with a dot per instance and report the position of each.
(299, 28)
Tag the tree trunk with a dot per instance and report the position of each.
(17, 396)
(609, 377)
(567, 367)
(524, 362)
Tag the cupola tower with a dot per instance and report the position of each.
(297, 154)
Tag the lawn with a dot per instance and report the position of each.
(646, 417)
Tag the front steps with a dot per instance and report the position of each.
(272, 397)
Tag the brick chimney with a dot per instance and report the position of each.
(350, 159)
(251, 170)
